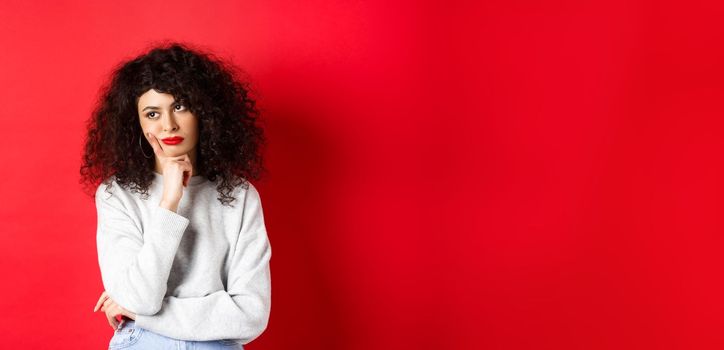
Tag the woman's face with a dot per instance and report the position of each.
(164, 117)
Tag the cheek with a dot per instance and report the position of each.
(195, 130)
(150, 127)
(145, 126)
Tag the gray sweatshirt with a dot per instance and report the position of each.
(201, 273)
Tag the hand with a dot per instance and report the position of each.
(177, 171)
(112, 310)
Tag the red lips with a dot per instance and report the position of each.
(173, 140)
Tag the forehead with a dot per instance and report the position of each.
(154, 98)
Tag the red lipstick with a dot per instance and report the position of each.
(172, 140)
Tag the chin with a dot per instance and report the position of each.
(176, 152)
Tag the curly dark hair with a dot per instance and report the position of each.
(230, 140)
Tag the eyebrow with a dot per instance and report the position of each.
(154, 107)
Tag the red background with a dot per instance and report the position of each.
(481, 175)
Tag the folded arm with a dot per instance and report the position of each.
(239, 312)
(135, 267)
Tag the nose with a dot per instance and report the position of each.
(169, 123)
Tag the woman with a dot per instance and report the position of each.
(182, 245)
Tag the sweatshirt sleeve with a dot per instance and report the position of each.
(241, 311)
(135, 265)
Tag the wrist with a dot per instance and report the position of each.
(169, 205)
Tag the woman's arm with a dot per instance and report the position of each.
(240, 312)
(135, 267)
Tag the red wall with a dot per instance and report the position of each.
(482, 175)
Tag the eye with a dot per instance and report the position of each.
(148, 115)
(180, 105)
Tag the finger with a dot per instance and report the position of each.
(115, 312)
(189, 171)
(191, 168)
(112, 321)
(99, 303)
(186, 162)
(156, 145)
(107, 304)
(103, 298)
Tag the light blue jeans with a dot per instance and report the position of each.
(129, 336)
